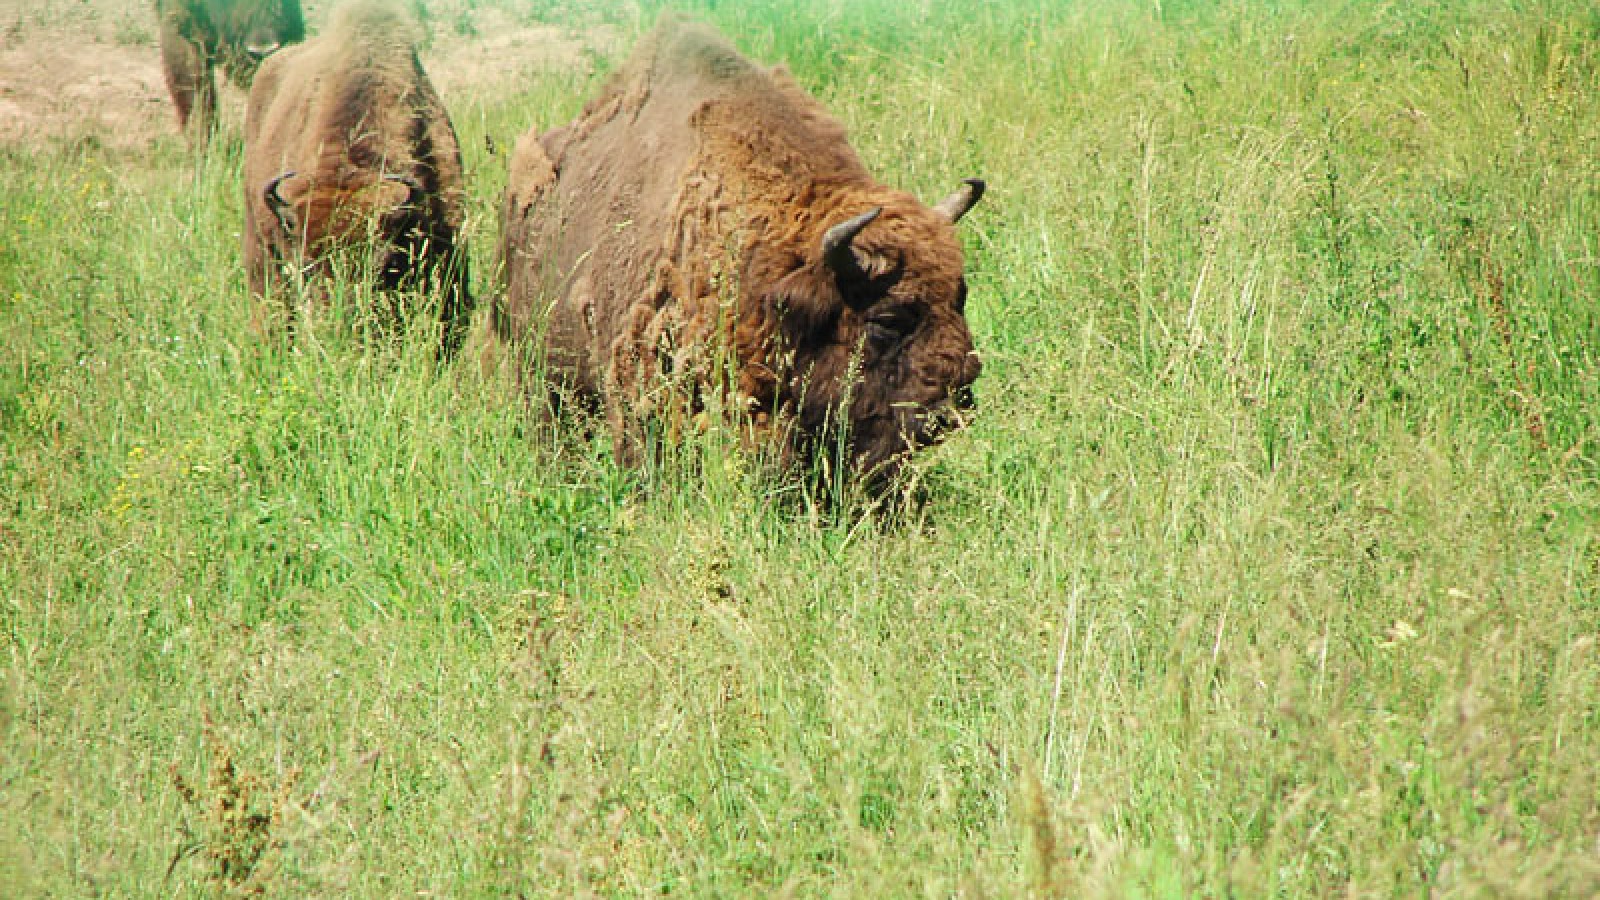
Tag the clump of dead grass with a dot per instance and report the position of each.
(240, 821)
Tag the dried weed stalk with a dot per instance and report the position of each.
(241, 818)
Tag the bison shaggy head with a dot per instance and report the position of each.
(874, 333)
(381, 213)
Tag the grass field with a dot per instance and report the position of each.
(1270, 566)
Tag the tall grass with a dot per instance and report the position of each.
(1269, 567)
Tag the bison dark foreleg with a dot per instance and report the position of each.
(455, 305)
(189, 79)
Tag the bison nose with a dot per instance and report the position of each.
(943, 419)
(961, 397)
(258, 52)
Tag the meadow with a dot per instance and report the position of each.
(1269, 566)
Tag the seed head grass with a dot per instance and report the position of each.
(1268, 566)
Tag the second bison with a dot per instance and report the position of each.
(348, 147)
(704, 236)
(197, 36)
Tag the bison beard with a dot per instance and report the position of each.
(704, 230)
(347, 146)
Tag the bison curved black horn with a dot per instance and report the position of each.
(953, 207)
(836, 249)
(275, 202)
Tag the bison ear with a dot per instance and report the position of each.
(282, 207)
(837, 252)
(393, 192)
(953, 207)
(799, 307)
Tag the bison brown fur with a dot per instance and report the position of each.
(197, 36)
(348, 146)
(704, 230)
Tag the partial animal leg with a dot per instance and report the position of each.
(455, 304)
(189, 80)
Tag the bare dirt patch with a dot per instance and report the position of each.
(498, 51)
(67, 72)
(91, 69)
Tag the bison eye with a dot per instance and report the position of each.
(890, 327)
(880, 336)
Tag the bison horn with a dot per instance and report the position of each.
(836, 249)
(259, 52)
(275, 202)
(953, 207)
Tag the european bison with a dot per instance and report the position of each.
(704, 232)
(348, 146)
(199, 35)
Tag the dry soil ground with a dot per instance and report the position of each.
(91, 70)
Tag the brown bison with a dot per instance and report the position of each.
(703, 236)
(347, 146)
(199, 35)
